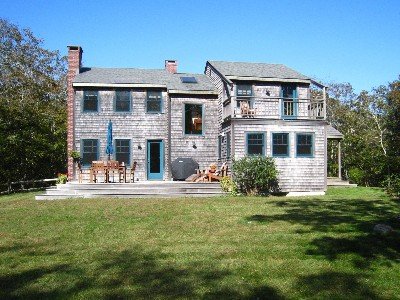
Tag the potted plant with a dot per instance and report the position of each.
(75, 156)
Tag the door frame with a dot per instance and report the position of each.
(155, 176)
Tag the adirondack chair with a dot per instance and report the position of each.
(245, 109)
(217, 176)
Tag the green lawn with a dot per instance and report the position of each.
(275, 248)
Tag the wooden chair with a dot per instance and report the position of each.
(217, 176)
(245, 109)
(112, 168)
(98, 168)
(133, 168)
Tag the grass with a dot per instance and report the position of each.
(247, 248)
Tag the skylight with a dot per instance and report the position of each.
(188, 80)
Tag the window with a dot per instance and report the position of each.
(243, 93)
(90, 101)
(154, 102)
(220, 141)
(122, 101)
(304, 145)
(122, 151)
(280, 144)
(228, 145)
(193, 118)
(89, 149)
(188, 80)
(289, 100)
(255, 144)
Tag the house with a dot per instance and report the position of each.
(232, 110)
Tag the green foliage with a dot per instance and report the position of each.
(32, 107)
(392, 185)
(62, 178)
(229, 186)
(75, 154)
(356, 175)
(255, 175)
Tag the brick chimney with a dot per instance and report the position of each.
(74, 65)
(171, 66)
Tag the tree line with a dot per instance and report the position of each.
(33, 117)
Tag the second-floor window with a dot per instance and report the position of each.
(193, 118)
(243, 93)
(154, 102)
(90, 101)
(122, 101)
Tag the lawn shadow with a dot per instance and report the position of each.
(349, 223)
(335, 285)
(134, 273)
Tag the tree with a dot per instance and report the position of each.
(32, 107)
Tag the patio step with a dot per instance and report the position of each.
(335, 181)
(164, 189)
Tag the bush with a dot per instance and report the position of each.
(392, 184)
(62, 178)
(228, 186)
(356, 175)
(255, 175)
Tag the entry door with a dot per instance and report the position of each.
(155, 159)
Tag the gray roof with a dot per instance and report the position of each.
(144, 76)
(333, 133)
(261, 70)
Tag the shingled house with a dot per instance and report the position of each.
(232, 110)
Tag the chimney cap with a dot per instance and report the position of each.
(73, 47)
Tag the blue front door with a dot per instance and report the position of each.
(155, 160)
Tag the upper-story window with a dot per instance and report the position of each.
(122, 101)
(289, 100)
(90, 101)
(243, 93)
(154, 102)
(193, 118)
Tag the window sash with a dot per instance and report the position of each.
(304, 145)
(90, 151)
(90, 101)
(154, 102)
(123, 150)
(228, 145)
(193, 118)
(244, 90)
(122, 101)
(280, 144)
(255, 143)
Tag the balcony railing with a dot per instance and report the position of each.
(275, 108)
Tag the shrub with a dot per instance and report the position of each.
(62, 178)
(392, 184)
(356, 175)
(255, 175)
(228, 186)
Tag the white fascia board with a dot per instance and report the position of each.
(192, 92)
(119, 85)
(249, 78)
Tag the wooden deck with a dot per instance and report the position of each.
(143, 189)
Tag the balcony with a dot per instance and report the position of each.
(313, 108)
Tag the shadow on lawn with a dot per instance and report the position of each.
(344, 227)
(134, 273)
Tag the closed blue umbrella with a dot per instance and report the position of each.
(109, 148)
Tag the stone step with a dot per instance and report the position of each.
(61, 196)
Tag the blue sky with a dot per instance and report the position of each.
(342, 41)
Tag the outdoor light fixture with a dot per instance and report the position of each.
(139, 147)
(194, 145)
